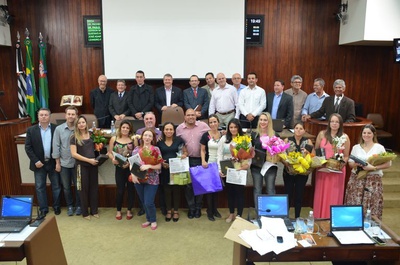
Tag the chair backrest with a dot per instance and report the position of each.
(174, 115)
(57, 117)
(377, 120)
(118, 123)
(90, 118)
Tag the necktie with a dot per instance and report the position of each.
(337, 104)
(120, 96)
(195, 93)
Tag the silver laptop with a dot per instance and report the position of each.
(16, 213)
(278, 124)
(274, 206)
(347, 224)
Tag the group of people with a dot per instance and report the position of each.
(66, 153)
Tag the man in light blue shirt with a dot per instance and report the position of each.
(237, 83)
(314, 100)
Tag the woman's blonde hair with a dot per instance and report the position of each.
(270, 129)
(77, 132)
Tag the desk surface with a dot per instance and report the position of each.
(327, 249)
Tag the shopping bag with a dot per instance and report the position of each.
(205, 180)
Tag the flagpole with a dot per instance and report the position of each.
(20, 79)
(43, 83)
(31, 98)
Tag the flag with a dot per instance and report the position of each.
(43, 85)
(21, 76)
(31, 98)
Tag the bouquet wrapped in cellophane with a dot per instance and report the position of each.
(302, 164)
(274, 146)
(241, 148)
(376, 160)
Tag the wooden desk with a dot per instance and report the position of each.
(42, 247)
(327, 249)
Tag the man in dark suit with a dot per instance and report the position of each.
(279, 104)
(38, 147)
(141, 97)
(99, 98)
(118, 105)
(196, 98)
(167, 95)
(336, 104)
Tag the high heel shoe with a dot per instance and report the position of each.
(118, 216)
(168, 216)
(144, 225)
(175, 217)
(230, 218)
(129, 215)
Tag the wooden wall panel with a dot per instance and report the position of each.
(301, 37)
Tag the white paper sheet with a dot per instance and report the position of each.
(238, 177)
(178, 165)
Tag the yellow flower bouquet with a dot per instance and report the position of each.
(301, 164)
(376, 160)
(241, 148)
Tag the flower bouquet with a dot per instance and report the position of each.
(300, 164)
(241, 148)
(376, 160)
(150, 156)
(274, 146)
(99, 140)
(337, 161)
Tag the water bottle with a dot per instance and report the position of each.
(367, 219)
(310, 222)
(112, 127)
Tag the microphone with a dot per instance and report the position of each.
(39, 218)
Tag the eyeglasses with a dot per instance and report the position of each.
(297, 82)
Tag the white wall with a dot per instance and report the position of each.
(371, 22)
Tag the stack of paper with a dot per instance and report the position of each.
(264, 240)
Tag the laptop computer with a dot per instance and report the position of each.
(274, 206)
(278, 124)
(347, 224)
(16, 213)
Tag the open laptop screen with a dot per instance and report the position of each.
(273, 205)
(16, 207)
(346, 217)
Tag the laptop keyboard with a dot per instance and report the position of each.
(13, 223)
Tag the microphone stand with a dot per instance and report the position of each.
(39, 218)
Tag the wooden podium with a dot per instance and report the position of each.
(42, 247)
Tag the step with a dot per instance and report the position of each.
(391, 184)
(391, 199)
(392, 172)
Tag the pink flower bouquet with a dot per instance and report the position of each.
(274, 146)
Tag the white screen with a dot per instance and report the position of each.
(180, 37)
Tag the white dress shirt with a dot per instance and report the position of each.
(252, 101)
(224, 100)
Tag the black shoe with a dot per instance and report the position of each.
(43, 213)
(190, 214)
(163, 211)
(141, 212)
(197, 213)
(211, 217)
(217, 214)
(57, 210)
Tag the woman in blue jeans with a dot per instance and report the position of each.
(264, 128)
(147, 187)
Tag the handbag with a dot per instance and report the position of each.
(205, 180)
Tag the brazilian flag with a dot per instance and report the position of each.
(32, 103)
